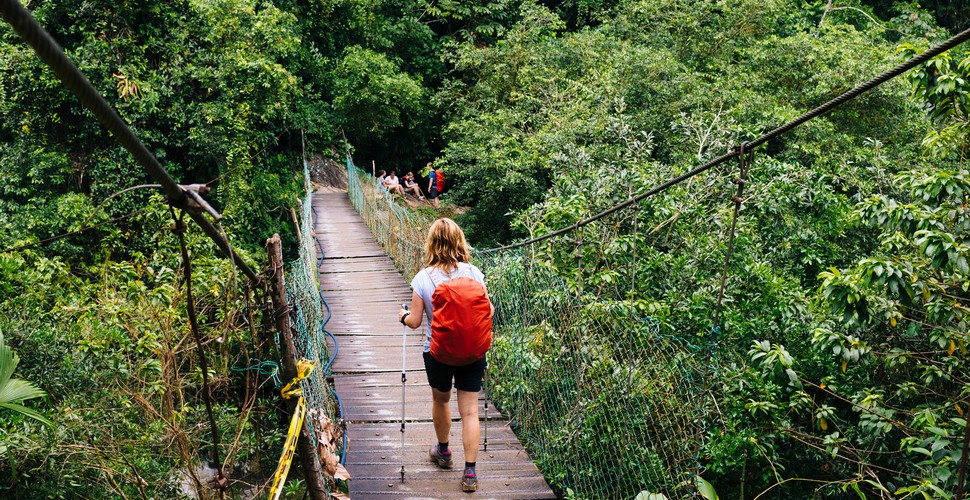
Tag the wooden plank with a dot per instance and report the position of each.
(500, 468)
(354, 345)
(447, 485)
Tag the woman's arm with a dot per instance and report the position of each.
(413, 320)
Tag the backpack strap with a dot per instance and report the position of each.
(438, 277)
(441, 278)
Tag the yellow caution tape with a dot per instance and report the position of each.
(304, 368)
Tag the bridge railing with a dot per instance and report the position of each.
(400, 231)
(608, 402)
(308, 317)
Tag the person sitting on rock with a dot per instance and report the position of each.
(412, 187)
(393, 185)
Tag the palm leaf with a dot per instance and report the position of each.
(27, 412)
(17, 390)
(8, 361)
(14, 391)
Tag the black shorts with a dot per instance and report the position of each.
(432, 193)
(467, 378)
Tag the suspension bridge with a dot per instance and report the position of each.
(608, 402)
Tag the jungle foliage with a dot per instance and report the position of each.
(840, 360)
(842, 354)
(566, 115)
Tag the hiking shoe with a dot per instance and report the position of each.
(442, 459)
(469, 482)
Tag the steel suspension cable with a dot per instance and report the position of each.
(24, 24)
(819, 111)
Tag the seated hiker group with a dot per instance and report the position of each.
(408, 186)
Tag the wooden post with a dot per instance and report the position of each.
(281, 310)
(296, 224)
(373, 168)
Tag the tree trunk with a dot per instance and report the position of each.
(316, 484)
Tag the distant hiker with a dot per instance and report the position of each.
(380, 180)
(451, 293)
(439, 180)
(432, 184)
(412, 187)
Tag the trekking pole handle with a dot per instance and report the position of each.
(404, 376)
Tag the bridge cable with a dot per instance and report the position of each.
(24, 24)
(820, 110)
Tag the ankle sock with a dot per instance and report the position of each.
(469, 468)
(443, 447)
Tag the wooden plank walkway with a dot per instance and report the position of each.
(364, 292)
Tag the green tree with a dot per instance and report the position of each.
(373, 96)
(904, 309)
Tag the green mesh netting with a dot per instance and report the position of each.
(608, 401)
(307, 318)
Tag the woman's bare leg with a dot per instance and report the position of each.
(441, 413)
(470, 428)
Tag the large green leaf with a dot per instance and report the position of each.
(706, 489)
(17, 390)
(8, 361)
(27, 412)
(14, 391)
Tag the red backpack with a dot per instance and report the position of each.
(461, 325)
(439, 181)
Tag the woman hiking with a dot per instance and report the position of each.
(455, 343)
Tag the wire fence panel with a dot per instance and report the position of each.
(307, 318)
(608, 403)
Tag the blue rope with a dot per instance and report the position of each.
(343, 425)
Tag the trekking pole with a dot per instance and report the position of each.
(485, 382)
(404, 378)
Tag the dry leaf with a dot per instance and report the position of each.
(341, 474)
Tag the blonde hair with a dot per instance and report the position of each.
(446, 245)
